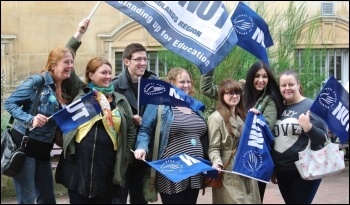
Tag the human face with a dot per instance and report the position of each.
(232, 99)
(289, 88)
(102, 76)
(260, 79)
(137, 65)
(183, 82)
(63, 68)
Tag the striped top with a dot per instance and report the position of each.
(184, 138)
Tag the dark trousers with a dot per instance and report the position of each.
(296, 190)
(134, 184)
(188, 196)
(75, 198)
(262, 187)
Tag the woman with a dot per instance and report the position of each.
(97, 153)
(34, 183)
(261, 94)
(225, 127)
(293, 129)
(182, 131)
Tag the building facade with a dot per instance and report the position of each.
(30, 29)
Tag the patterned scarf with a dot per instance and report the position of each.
(102, 100)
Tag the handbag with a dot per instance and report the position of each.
(149, 188)
(13, 157)
(321, 163)
(217, 182)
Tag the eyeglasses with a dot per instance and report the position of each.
(232, 94)
(139, 60)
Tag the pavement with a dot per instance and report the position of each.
(333, 190)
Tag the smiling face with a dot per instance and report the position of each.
(99, 72)
(183, 82)
(137, 64)
(60, 63)
(182, 79)
(289, 88)
(261, 79)
(102, 76)
(230, 93)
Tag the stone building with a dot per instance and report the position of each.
(30, 29)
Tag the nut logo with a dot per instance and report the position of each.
(154, 89)
(243, 24)
(327, 98)
(171, 167)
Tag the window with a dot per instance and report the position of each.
(327, 8)
(153, 64)
(327, 61)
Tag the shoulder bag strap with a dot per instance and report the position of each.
(232, 153)
(34, 109)
(156, 141)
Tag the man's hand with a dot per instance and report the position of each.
(137, 120)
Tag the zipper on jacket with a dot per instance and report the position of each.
(92, 162)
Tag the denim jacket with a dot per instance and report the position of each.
(146, 133)
(20, 103)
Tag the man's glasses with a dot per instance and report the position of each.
(139, 60)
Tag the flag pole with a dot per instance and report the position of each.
(138, 96)
(93, 10)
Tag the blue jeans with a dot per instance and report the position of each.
(34, 183)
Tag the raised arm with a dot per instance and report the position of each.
(75, 41)
(207, 86)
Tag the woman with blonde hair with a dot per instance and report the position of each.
(182, 132)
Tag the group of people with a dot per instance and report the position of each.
(97, 164)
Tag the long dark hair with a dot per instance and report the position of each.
(251, 95)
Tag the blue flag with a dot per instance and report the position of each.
(252, 31)
(77, 113)
(159, 92)
(332, 105)
(199, 31)
(180, 167)
(253, 159)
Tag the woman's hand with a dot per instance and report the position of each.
(304, 121)
(39, 120)
(217, 167)
(274, 179)
(140, 154)
(256, 111)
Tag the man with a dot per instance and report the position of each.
(126, 83)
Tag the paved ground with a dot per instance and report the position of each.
(333, 190)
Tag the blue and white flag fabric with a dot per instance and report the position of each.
(159, 92)
(199, 31)
(252, 31)
(180, 167)
(332, 105)
(77, 113)
(253, 159)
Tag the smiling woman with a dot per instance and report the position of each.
(97, 154)
(289, 141)
(54, 96)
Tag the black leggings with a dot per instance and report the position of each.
(188, 196)
(296, 190)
